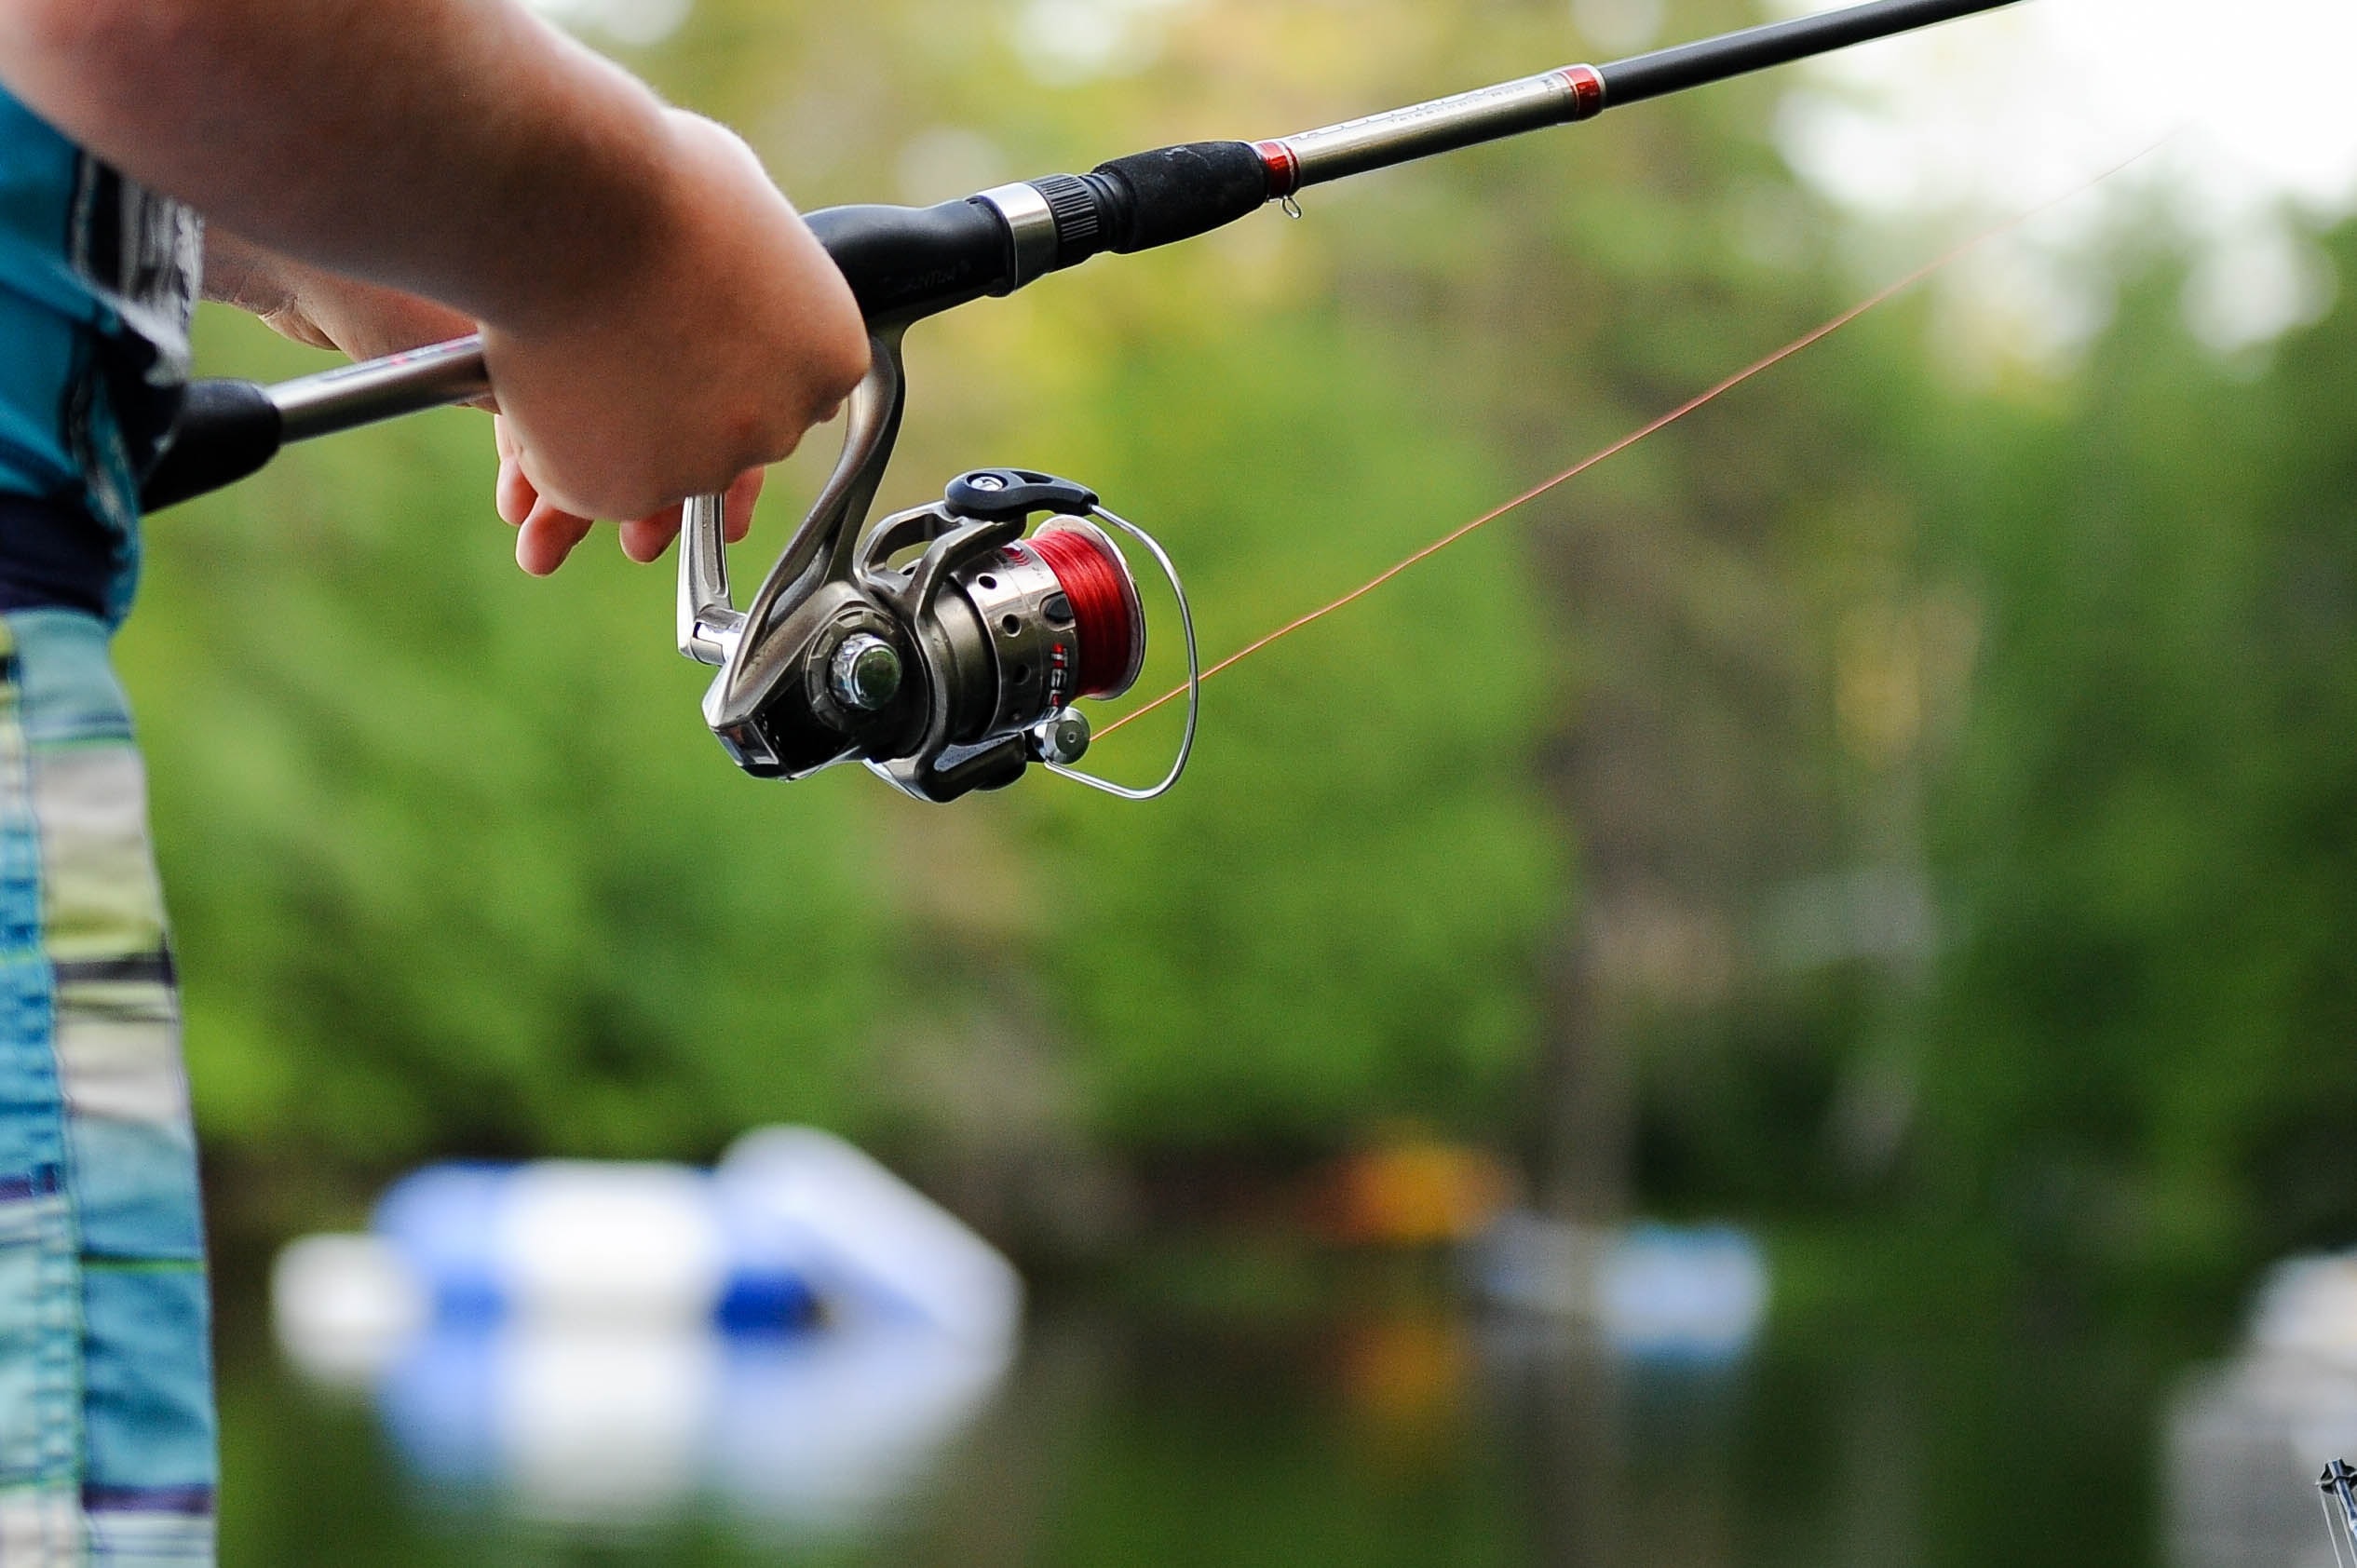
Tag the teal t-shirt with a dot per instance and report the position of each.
(98, 279)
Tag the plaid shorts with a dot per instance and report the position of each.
(106, 1421)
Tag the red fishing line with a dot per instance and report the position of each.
(1104, 618)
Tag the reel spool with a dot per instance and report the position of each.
(943, 647)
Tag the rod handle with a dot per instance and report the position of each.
(903, 262)
(226, 430)
(1170, 193)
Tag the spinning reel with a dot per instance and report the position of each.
(941, 647)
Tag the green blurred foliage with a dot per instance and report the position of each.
(2147, 833)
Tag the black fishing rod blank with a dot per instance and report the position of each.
(2338, 1484)
(946, 647)
(1581, 92)
(1761, 49)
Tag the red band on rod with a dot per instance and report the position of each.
(1587, 90)
(1284, 170)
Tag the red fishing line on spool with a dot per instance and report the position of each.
(1105, 606)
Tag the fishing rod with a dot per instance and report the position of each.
(2338, 1485)
(946, 646)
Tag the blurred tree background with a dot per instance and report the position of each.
(1889, 792)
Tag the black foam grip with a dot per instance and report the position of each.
(226, 430)
(1177, 193)
(904, 262)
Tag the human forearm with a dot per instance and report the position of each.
(458, 149)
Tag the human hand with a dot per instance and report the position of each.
(546, 533)
(685, 374)
(365, 320)
(684, 377)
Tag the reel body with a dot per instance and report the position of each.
(945, 647)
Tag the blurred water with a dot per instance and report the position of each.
(1402, 1432)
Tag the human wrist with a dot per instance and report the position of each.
(242, 273)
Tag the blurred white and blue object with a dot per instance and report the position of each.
(2247, 1437)
(1654, 1292)
(797, 1331)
